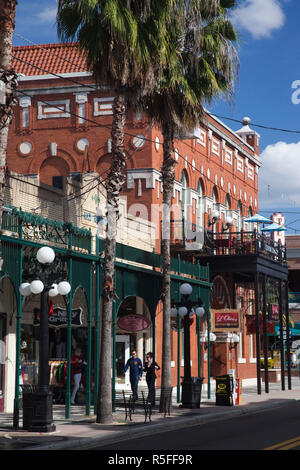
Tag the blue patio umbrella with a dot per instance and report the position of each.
(274, 228)
(257, 218)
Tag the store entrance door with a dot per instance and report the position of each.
(2, 360)
(122, 356)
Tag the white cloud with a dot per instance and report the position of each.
(259, 17)
(279, 176)
(48, 15)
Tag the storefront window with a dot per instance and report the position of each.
(58, 339)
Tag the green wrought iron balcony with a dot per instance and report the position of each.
(34, 227)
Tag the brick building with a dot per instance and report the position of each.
(61, 132)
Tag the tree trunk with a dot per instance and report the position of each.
(168, 176)
(115, 181)
(8, 82)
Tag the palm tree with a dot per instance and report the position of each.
(125, 46)
(201, 66)
(8, 83)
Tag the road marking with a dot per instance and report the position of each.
(285, 445)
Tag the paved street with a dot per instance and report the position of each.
(244, 432)
(82, 433)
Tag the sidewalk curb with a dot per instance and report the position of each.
(141, 430)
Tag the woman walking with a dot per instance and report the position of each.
(149, 368)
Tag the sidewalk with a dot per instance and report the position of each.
(82, 432)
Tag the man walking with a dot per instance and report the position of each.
(136, 371)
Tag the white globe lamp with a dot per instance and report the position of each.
(200, 311)
(63, 288)
(235, 338)
(45, 255)
(36, 287)
(182, 311)
(191, 313)
(186, 289)
(24, 289)
(212, 337)
(53, 292)
(173, 312)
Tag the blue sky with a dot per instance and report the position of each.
(269, 56)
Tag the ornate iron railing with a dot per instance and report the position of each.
(190, 237)
(40, 229)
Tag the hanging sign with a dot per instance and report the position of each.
(59, 317)
(274, 312)
(225, 319)
(133, 322)
(251, 325)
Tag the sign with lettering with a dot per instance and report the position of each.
(226, 319)
(59, 317)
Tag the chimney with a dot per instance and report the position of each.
(248, 135)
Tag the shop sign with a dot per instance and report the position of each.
(133, 322)
(59, 318)
(225, 320)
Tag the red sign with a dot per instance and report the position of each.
(251, 325)
(225, 319)
(274, 312)
(133, 323)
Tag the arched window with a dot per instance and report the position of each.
(183, 194)
(227, 204)
(53, 171)
(250, 224)
(239, 217)
(214, 199)
(228, 219)
(214, 209)
(200, 221)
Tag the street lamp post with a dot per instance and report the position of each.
(37, 404)
(191, 387)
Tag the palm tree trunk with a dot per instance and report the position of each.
(168, 176)
(115, 181)
(8, 82)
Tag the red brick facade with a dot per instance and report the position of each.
(62, 127)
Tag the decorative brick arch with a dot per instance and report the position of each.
(103, 163)
(51, 167)
(229, 199)
(201, 183)
(216, 192)
(64, 159)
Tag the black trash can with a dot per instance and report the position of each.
(224, 390)
(37, 410)
(191, 392)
